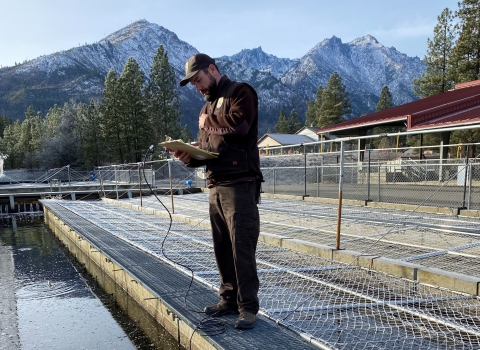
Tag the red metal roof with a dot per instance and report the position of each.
(469, 116)
(445, 109)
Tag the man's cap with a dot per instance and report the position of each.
(194, 64)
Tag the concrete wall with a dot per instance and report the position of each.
(9, 338)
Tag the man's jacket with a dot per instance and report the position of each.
(231, 129)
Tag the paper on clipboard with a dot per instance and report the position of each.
(194, 152)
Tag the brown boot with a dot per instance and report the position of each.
(219, 309)
(246, 320)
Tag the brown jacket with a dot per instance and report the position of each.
(231, 129)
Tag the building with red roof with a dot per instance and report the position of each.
(457, 107)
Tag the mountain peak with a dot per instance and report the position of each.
(260, 60)
(258, 49)
(326, 42)
(133, 29)
(366, 41)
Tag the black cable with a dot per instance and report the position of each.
(209, 325)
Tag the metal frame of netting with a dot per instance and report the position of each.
(153, 174)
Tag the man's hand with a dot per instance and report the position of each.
(180, 155)
(201, 121)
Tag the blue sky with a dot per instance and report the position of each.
(284, 28)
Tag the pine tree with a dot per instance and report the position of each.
(313, 108)
(11, 146)
(66, 142)
(113, 127)
(467, 49)
(30, 136)
(4, 122)
(52, 120)
(293, 123)
(137, 128)
(440, 72)
(310, 114)
(282, 125)
(186, 135)
(385, 100)
(162, 98)
(89, 135)
(59, 144)
(335, 102)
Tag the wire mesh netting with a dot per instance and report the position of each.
(338, 305)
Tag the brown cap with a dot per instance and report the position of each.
(194, 64)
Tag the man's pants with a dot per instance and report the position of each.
(235, 229)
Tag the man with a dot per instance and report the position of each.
(228, 125)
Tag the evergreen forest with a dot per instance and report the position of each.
(135, 112)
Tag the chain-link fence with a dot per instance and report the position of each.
(370, 176)
(428, 176)
(149, 176)
(380, 176)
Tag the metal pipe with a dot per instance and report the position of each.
(470, 178)
(340, 193)
(440, 170)
(101, 182)
(274, 179)
(379, 182)
(116, 180)
(140, 184)
(171, 188)
(368, 175)
(305, 171)
(465, 177)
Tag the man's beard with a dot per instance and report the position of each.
(212, 88)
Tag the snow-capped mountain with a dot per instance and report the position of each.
(258, 59)
(79, 73)
(365, 66)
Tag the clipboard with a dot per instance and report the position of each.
(194, 152)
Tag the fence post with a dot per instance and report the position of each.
(154, 173)
(465, 178)
(68, 171)
(116, 180)
(101, 182)
(379, 182)
(469, 186)
(305, 171)
(321, 173)
(440, 169)
(318, 183)
(340, 193)
(426, 171)
(140, 184)
(368, 176)
(274, 179)
(171, 189)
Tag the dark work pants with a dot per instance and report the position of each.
(235, 229)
